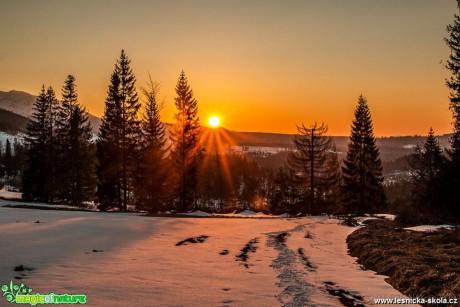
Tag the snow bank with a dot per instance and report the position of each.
(390, 217)
(247, 212)
(4, 193)
(261, 214)
(361, 219)
(429, 228)
(22, 204)
(196, 213)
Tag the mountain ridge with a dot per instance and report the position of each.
(22, 103)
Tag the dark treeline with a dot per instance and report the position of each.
(11, 163)
(132, 164)
(429, 192)
(136, 163)
(60, 155)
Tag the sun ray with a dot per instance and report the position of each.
(224, 163)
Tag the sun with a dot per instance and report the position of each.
(214, 121)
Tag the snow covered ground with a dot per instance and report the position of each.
(390, 217)
(260, 150)
(6, 194)
(429, 228)
(11, 137)
(132, 260)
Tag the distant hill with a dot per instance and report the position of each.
(22, 103)
(18, 102)
(260, 139)
(12, 123)
(394, 151)
(391, 148)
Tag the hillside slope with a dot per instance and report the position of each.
(22, 103)
(12, 123)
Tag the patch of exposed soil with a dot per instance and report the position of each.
(423, 264)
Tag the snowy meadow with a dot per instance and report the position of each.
(122, 259)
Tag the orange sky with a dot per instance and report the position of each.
(259, 65)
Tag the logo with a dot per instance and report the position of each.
(21, 294)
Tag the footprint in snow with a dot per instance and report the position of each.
(199, 239)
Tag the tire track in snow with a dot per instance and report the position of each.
(292, 277)
(297, 274)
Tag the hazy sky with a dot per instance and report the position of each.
(259, 65)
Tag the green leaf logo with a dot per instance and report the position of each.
(10, 292)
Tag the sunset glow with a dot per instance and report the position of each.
(270, 64)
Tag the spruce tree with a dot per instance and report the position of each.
(446, 191)
(311, 178)
(34, 176)
(8, 159)
(2, 166)
(19, 157)
(453, 83)
(332, 193)
(426, 162)
(118, 139)
(278, 195)
(76, 172)
(185, 137)
(362, 170)
(64, 162)
(152, 181)
(249, 183)
(53, 143)
(39, 175)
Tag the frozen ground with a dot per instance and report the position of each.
(131, 260)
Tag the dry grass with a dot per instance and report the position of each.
(422, 264)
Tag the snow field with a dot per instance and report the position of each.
(128, 259)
